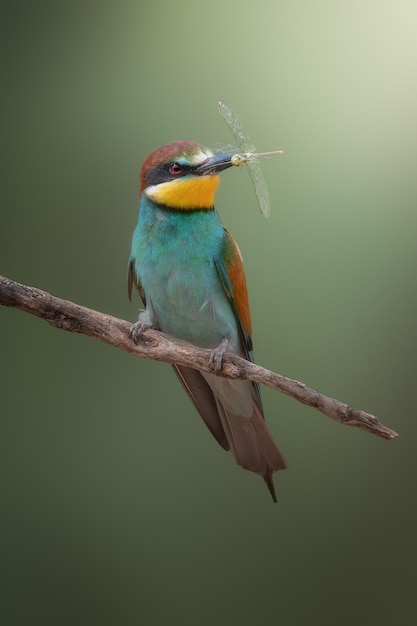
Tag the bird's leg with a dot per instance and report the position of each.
(140, 326)
(216, 356)
(137, 330)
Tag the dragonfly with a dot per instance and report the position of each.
(248, 156)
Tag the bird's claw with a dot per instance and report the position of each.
(137, 330)
(216, 356)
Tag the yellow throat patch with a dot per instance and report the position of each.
(186, 193)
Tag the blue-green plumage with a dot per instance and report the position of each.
(174, 256)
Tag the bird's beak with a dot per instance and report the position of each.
(216, 164)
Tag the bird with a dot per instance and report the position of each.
(188, 270)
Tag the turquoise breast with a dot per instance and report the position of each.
(174, 254)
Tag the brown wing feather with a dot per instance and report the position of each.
(250, 441)
(203, 399)
(234, 267)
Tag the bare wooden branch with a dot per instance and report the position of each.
(160, 347)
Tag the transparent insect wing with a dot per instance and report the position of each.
(260, 187)
(237, 128)
(244, 145)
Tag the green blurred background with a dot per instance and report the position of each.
(118, 507)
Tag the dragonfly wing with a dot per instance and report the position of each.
(244, 145)
(236, 126)
(260, 187)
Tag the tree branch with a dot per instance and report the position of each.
(160, 347)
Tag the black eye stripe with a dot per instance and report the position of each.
(162, 174)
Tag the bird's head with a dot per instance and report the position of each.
(183, 175)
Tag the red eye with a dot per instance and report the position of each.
(175, 168)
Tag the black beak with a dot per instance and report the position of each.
(215, 164)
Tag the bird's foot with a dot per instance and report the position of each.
(138, 329)
(216, 356)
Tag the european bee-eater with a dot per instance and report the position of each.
(189, 273)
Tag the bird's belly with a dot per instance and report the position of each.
(191, 305)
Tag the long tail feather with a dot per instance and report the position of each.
(231, 411)
(252, 445)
